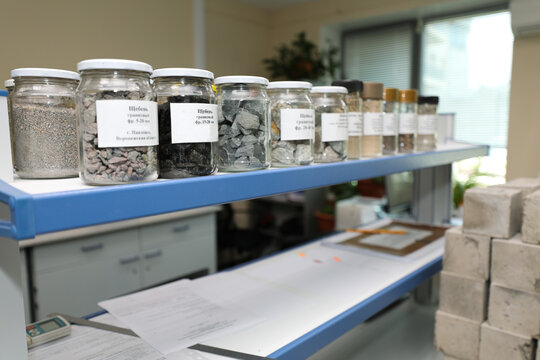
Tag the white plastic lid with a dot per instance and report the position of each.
(9, 83)
(329, 89)
(241, 79)
(183, 72)
(46, 73)
(290, 85)
(116, 64)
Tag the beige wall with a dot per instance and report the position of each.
(237, 38)
(59, 33)
(524, 125)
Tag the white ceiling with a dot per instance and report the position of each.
(273, 4)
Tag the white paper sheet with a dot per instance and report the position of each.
(174, 316)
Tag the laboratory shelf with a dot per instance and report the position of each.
(44, 206)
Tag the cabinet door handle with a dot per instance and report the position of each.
(181, 228)
(93, 247)
(153, 254)
(129, 260)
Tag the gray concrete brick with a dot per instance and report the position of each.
(531, 219)
(514, 310)
(467, 254)
(456, 336)
(499, 344)
(493, 211)
(526, 185)
(463, 296)
(516, 264)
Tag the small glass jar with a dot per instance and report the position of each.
(292, 123)
(427, 121)
(408, 109)
(44, 123)
(372, 108)
(353, 99)
(118, 125)
(244, 140)
(188, 124)
(9, 85)
(331, 123)
(391, 120)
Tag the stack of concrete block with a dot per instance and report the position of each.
(490, 284)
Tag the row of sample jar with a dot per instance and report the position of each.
(111, 124)
(386, 121)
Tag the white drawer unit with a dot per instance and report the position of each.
(72, 276)
(178, 247)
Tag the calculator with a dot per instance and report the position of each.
(46, 330)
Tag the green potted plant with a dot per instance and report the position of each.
(302, 60)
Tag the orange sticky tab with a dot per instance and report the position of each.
(302, 254)
(336, 259)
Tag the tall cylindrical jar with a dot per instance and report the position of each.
(408, 108)
(9, 85)
(391, 120)
(331, 123)
(188, 122)
(353, 99)
(372, 108)
(44, 122)
(292, 123)
(244, 140)
(118, 124)
(427, 119)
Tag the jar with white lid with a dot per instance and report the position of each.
(44, 123)
(354, 115)
(426, 140)
(293, 123)
(118, 124)
(244, 140)
(331, 123)
(188, 124)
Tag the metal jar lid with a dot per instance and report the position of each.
(373, 90)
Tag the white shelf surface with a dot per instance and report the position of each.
(313, 294)
(44, 206)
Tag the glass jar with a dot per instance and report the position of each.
(331, 123)
(390, 121)
(407, 120)
(292, 123)
(426, 139)
(44, 123)
(188, 124)
(353, 99)
(118, 125)
(9, 85)
(373, 119)
(244, 140)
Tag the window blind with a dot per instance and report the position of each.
(382, 54)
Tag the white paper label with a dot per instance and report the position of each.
(390, 124)
(355, 123)
(426, 124)
(373, 123)
(127, 123)
(194, 123)
(334, 127)
(407, 123)
(297, 124)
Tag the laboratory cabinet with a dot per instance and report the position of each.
(73, 275)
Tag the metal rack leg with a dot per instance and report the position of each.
(12, 326)
(432, 203)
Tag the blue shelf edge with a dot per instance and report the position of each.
(323, 335)
(50, 212)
